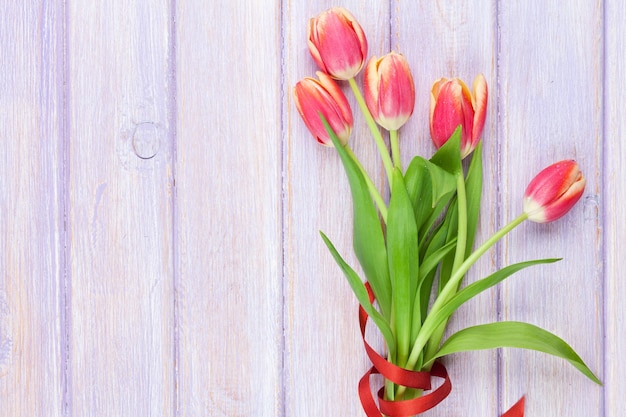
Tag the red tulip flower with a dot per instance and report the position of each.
(452, 104)
(553, 192)
(337, 43)
(389, 90)
(323, 96)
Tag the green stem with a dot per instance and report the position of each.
(461, 240)
(389, 390)
(378, 138)
(451, 286)
(380, 203)
(457, 275)
(395, 149)
(459, 256)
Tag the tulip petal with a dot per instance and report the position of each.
(553, 192)
(370, 86)
(337, 43)
(447, 112)
(479, 103)
(339, 98)
(467, 141)
(396, 92)
(564, 204)
(313, 97)
(389, 90)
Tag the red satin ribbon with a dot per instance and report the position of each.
(517, 410)
(407, 378)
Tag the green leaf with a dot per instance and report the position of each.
(448, 156)
(473, 189)
(403, 262)
(427, 271)
(427, 185)
(516, 335)
(362, 296)
(436, 241)
(436, 318)
(419, 186)
(451, 221)
(430, 262)
(368, 240)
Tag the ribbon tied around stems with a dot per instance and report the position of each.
(411, 379)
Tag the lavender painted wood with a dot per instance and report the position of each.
(120, 216)
(324, 355)
(612, 174)
(154, 162)
(31, 210)
(550, 107)
(228, 209)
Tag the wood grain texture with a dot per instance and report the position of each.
(550, 70)
(122, 293)
(228, 210)
(160, 202)
(612, 209)
(31, 210)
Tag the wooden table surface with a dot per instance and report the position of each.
(160, 201)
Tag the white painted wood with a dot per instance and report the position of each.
(612, 174)
(120, 216)
(31, 210)
(228, 209)
(550, 107)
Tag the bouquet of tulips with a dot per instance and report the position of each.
(416, 248)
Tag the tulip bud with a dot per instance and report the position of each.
(553, 192)
(451, 105)
(389, 90)
(337, 43)
(323, 96)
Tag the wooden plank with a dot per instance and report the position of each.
(324, 356)
(457, 39)
(228, 212)
(613, 213)
(122, 304)
(31, 210)
(550, 107)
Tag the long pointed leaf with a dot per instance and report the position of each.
(427, 271)
(403, 262)
(516, 335)
(473, 189)
(448, 156)
(436, 241)
(368, 240)
(428, 185)
(431, 261)
(436, 318)
(452, 222)
(362, 296)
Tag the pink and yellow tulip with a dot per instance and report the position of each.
(389, 90)
(337, 43)
(314, 97)
(452, 104)
(554, 191)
